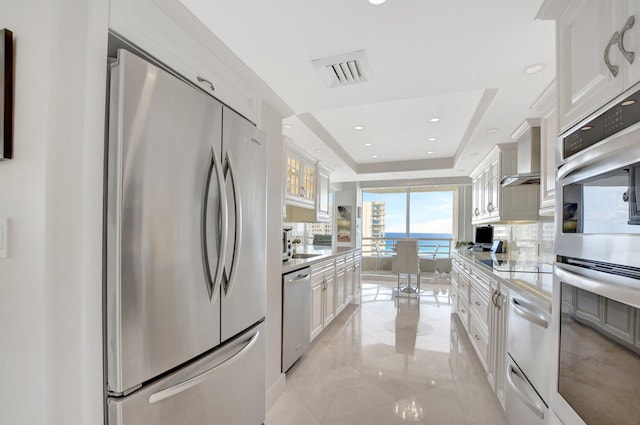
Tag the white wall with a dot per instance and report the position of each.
(349, 195)
(51, 288)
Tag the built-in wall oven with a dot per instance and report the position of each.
(597, 271)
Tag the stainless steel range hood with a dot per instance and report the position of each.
(528, 139)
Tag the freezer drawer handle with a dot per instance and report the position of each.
(196, 380)
(522, 310)
(520, 393)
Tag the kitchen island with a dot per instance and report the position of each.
(483, 289)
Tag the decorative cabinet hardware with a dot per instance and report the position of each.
(476, 212)
(202, 80)
(617, 39)
(613, 69)
(629, 56)
(490, 207)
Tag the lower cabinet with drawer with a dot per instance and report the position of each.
(322, 296)
(334, 283)
(479, 300)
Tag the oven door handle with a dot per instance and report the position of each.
(618, 288)
(535, 408)
(525, 311)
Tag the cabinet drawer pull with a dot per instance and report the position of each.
(629, 56)
(477, 303)
(476, 337)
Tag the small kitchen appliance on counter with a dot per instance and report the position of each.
(287, 244)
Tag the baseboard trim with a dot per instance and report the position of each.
(275, 391)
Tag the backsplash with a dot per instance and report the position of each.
(528, 239)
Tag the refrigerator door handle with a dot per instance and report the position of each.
(231, 170)
(214, 283)
(198, 379)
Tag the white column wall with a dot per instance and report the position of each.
(271, 123)
(51, 287)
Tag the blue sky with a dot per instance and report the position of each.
(431, 212)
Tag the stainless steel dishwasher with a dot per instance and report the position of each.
(296, 316)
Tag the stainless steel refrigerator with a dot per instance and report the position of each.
(185, 230)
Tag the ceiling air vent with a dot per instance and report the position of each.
(342, 70)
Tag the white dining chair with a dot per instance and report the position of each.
(407, 263)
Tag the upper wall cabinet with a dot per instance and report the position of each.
(306, 189)
(493, 203)
(546, 105)
(598, 43)
(172, 34)
(300, 181)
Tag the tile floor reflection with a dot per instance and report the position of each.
(390, 361)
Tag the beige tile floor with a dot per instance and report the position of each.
(389, 361)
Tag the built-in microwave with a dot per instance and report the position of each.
(287, 236)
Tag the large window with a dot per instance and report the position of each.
(426, 214)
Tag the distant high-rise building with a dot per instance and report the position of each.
(373, 219)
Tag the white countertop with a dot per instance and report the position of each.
(325, 253)
(537, 284)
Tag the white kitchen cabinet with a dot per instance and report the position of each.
(357, 276)
(479, 314)
(300, 181)
(497, 361)
(307, 186)
(317, 302)
(341, 284)
(349, 276)
(322, 193)
(481, 307)
(169, 32)
(322, 296)
(546, 104)
(586, 34)
(493, 203)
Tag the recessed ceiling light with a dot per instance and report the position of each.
(377, 2)
(368, 144)
(287, 126)
(435, 119)
(586, 128)
(375, 156)
(430, 152)
(358, 127)
(432, 139)
(318, 150)
(492, 130)
(628, 102)
(534, 69)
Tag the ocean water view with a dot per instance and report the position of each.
(425, 246)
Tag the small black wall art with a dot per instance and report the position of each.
(6, 92)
